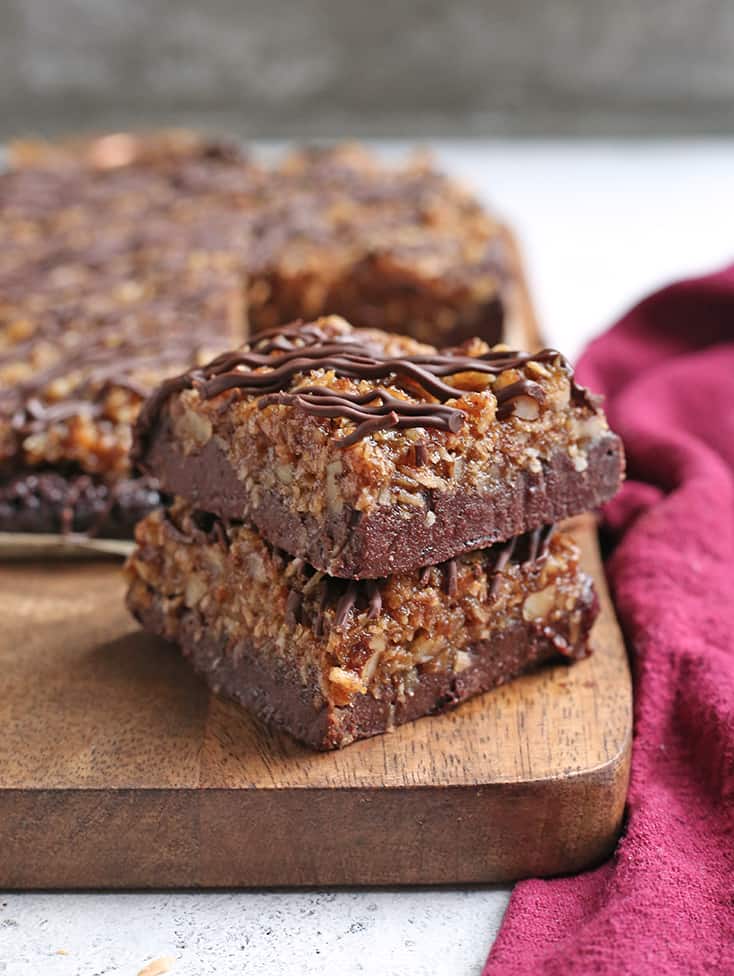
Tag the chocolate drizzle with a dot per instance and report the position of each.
(359, 596)
(390, 411)
(524, 549)
(507, 396)
(420, 456)
(452, 577)
(293, 608)
(319, 601)
(268, 367)
(538, 542)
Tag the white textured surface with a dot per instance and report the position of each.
(432, 932)
(601, 225)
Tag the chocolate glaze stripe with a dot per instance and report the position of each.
(352, 361)
(346, 604)
(539, 540)
(452, 577)
(360, 595)
(104, 368)
(391, 411)
(504, 555)
(508, 394)
(270, 364)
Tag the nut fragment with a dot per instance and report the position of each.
(333, 496)
(462, 660)
(284, 473)
(344, 685)
(540, 604)
(526, 408)
(196, 588)
(193, 429)
(472, 380)
(537, 370)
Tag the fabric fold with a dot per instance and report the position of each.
(664, 902)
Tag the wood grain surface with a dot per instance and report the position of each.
(119, 769)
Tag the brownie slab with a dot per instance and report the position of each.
(331, 661)
(402, 248)
(129, 258)
(367, 454)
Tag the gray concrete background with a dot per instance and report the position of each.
(321, 68)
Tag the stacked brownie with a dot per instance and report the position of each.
(126, 260)
(361, 529)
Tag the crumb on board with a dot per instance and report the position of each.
(157, 966)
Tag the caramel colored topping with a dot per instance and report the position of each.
(275, 365)
(348, 637)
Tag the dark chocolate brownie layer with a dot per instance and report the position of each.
(50, 502)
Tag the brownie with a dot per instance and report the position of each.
(367, 453)
(333, 660)
(402, 248)
(130, 258)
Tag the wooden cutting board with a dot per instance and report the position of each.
(119, 769)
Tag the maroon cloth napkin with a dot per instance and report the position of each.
(664, 902)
